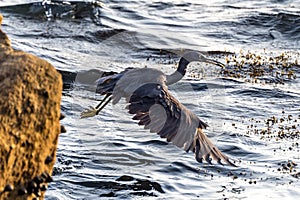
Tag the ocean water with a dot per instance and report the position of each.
(252, 106)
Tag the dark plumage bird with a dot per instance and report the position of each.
(145, 89)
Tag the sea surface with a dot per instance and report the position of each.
(252, 106)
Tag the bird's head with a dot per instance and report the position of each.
(195, 56)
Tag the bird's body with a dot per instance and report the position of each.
(145, 89)
(128, 83)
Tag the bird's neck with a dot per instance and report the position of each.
(179, 73)
(182, 65)
(173, 78)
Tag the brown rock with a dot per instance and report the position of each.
(30, 91)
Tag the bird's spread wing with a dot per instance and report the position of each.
(156, 109)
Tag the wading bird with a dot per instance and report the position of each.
(145, 89)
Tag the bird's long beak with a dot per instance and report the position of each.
(214, 62)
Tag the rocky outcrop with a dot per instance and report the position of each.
(30, 91)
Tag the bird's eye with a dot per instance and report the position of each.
(107, 81)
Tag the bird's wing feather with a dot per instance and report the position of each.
(156, 109)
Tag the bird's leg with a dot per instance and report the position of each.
(95, 111)
(99, 109)
(106, 96)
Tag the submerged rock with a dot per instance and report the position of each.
(30, 90)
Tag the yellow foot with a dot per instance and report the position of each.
(88, 112)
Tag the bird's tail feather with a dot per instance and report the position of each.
(106, 85)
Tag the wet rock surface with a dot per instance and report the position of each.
(29, 122)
